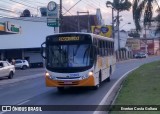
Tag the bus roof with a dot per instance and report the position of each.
(97, 36)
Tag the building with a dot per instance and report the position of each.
(26, 44)
(139, 45)
(81, 23)
(123, 36)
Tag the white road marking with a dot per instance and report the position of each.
(23, 102)
(110, 91)
(2, 112)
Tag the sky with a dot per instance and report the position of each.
(18, 6)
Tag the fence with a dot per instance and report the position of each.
(123, 55)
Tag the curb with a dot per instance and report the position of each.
(111, 95)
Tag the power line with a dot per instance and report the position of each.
(23, 4)
(6, 10)
(96, 4)
(72, 7)
(67, 10)
(34, 2)
(89, 4)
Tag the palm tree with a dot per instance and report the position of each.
(119, 6)
(158, 20)
(145, 8)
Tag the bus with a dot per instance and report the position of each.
(77, 59)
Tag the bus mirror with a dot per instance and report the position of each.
(43, 50)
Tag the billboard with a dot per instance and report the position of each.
(102, 30)
(133, 44)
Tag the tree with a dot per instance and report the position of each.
(158, 20)
(145, 8)
(119, 6)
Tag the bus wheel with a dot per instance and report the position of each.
(95, 87)
(110, 72)
(99, 80)
(60, 89)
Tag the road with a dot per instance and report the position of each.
(34, 92)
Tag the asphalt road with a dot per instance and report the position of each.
(34, 92)
(27, 72)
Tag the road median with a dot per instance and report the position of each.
(140, 89)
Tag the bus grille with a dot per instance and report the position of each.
(70, 83)
(67, 77)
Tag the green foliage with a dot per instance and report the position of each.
(158, 20)
(120, 5)
(145, 8)
(141, 87)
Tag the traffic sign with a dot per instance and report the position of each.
(52, 10)
(52, 22)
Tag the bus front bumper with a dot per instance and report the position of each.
(72, 83)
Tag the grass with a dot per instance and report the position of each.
(141, 87)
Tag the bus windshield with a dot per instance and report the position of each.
(64, 56)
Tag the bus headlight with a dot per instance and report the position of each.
(90, 73)
(87, 75)
(48, 75)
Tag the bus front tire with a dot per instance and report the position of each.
(99, 82)
(110, 72)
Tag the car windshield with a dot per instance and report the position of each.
(141, 53)
(69, 56)
(18, 62)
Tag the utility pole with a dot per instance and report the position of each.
(60, 17)
(146, 50)
(113, 23)
(118, 22)
(78, 22)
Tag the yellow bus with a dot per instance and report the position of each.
(77, 59)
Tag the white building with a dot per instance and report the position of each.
(123, 39)
(26, 44)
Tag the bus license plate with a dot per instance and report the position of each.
(67, 82)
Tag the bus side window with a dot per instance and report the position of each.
(112, 48)
(103, 47)
(106, 48)
(97, 47)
